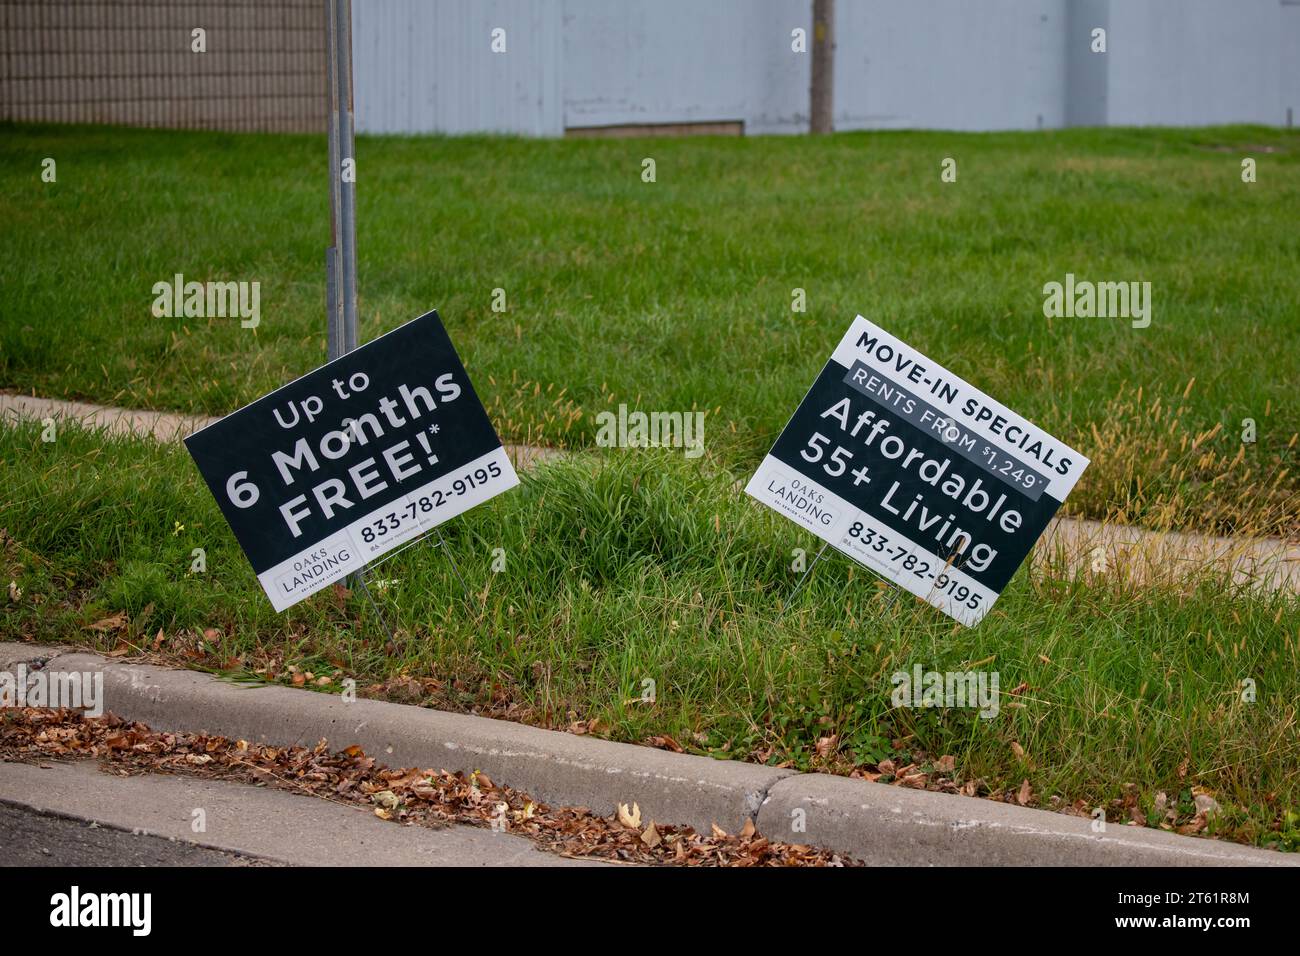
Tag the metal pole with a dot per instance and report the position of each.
(333, 315)
(341, 256)
(341, 261)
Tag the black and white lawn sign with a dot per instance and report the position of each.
(915, 473)
(324, 475)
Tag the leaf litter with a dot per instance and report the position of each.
(410, 796)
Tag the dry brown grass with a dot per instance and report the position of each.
(1153, 467)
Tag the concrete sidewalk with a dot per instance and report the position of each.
(160, 426)
(879, 824)
(1068, 548)
(255, 824)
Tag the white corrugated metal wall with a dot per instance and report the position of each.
(671, 61)
(1200, 61)
(427, 65)
(952, 64)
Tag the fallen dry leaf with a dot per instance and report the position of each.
(650, 837)
(110, 623)
(630, 818)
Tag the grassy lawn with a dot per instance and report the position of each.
(628, 567)
(677, 294)
(628, 571)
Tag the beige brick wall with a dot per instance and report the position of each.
(129, 62)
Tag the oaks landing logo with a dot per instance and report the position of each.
(1104, 300)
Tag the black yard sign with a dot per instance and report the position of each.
(324, 475)
(915, 473)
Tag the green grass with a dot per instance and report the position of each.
(635, 566)
(623, 567)
(677, 294)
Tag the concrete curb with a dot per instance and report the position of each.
(555, 767)
(896, 826)
(880, 824)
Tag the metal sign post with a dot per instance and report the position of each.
(341, 257)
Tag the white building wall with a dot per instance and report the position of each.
(950, 64)
(1289, 81)
(426, 65)
(670, 61)
(1199, 62)
(423, 66)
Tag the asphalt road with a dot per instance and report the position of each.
(30, 837)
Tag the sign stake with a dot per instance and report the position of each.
(895, 591)
(442, 542)
(803, 578)
(360, 578)
(360, 575)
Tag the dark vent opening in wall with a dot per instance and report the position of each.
(629, 130)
